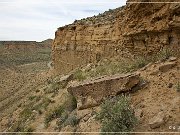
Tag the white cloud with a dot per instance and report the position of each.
(39, 19)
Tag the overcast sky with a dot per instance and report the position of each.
(39, 19)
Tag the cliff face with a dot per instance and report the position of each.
(137, 28)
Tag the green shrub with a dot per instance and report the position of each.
(132, 65)
(39, 104)
(53, 114)
(20, 126)
(116, 115)
(45, 102)
(26, 113)
(55, 86)
(79, 75)
(37, 98)
(64, 117)
(140, 62)
(32, 98)
(61, 120)
(72, 121)
(164, 54)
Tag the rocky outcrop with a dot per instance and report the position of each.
(158, 120)
(91, 93)
(137, 28)
(167, 66)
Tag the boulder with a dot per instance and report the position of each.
(172, 59)
(166, 66)
(154, 72)
(157, 120)
(91, 93)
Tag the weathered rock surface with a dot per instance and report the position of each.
(137, 28)
(138, 113)
(91, 93)
(158, 120)
(166, 66)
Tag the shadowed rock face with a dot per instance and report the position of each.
(91, 93)
(137, 28)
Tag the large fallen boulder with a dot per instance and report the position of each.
(91, 93)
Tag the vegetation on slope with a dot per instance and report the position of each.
(111, 66)
(116, 115)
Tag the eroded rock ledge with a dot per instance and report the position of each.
(92, 93)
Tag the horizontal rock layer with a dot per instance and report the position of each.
(137, 28)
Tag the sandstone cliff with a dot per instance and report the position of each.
(138, 28)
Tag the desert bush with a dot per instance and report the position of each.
(63, 117)
(66, 120)
(72, 120)
(32, 98)
(37, 98)
(45, 102)
(57, 112)
(26, 113)
(164, 54)
(61, 120)
(132, 65)
(41, 105)
(54, 87)
(20, 127)
(79, 75)
(140, 62)
(116, 115)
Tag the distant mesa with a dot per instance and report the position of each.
(22, 45)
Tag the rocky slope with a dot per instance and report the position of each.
(44, 102)
(23, 66)
(154, 91)
(137, 28)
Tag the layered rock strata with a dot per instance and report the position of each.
(137, 28)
